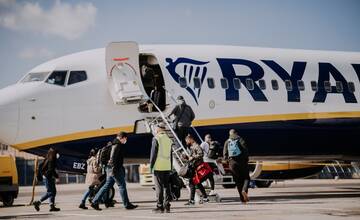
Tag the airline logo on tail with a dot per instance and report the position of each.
(188, 69)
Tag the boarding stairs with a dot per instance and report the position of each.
(179, 152)
(341, 170)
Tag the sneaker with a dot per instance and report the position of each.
(212, 193)
(53, 208)
(82, 206)
(205, 200)
(37, 205)
(246, 198)
(158, 210)
(167, 209)
(131, 206)
(190, 202)
(109, 204)
(95, 206)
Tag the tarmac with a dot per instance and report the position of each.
(295, 199)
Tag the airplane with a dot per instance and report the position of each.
(288, 104)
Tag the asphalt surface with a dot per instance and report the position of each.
(296, 199)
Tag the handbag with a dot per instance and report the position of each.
(187, 171)
(202, 171)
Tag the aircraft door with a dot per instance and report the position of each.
(122, 67)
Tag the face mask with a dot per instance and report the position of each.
(57, 156)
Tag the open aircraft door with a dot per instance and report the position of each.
(122, 68)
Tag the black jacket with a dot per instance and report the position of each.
(184, 115)
(49, 169)
(117, 155)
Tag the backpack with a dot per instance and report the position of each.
(40, 171)
(214, 149)
(104, 155)
(176, 185)
(234, 148)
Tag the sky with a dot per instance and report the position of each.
(35, 31)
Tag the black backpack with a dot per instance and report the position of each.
(40, 171)
(176, 185)
(104, 155)
(214, 150)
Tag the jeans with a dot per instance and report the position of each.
(240, 172)
(192, 190)
(182, 132)
(50, 190)
(86, 194)
(162, 182)
(117, 176)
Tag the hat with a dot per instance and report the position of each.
(161, 125)
(180, 97)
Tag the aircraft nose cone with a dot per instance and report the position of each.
(9, 116)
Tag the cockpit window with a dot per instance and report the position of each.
(35, 77)
(57, 78)
(77, 76)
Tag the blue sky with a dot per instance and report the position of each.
(32, 32)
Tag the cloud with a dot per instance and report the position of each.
(62, 19)
(38, 53)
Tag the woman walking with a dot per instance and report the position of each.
(48, 171)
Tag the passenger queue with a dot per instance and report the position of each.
(105, 166)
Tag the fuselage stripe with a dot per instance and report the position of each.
(196, 123)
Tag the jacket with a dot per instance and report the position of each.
(196, 153)
(243, 157)
(184, 115)
(116, 160)
(49, 169)
(93, 172)
(155, 158)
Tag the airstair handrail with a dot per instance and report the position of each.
(170, 128)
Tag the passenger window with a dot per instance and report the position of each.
(211, 83)
(197, 82)
(262, 84)
(288, 85)
(351, 86)
(237, 83)
(77, 76)
(327, 86)
(249, 84)
(301, 85)
(274, 84)
(57, 78)
(224, 83)
(182, 82)
(314, 86)
(339, 86)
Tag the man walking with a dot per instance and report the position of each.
(184, 115)
(160, 162)
(237, 154)
(115, 172)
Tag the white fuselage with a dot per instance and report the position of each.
(38, 114)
